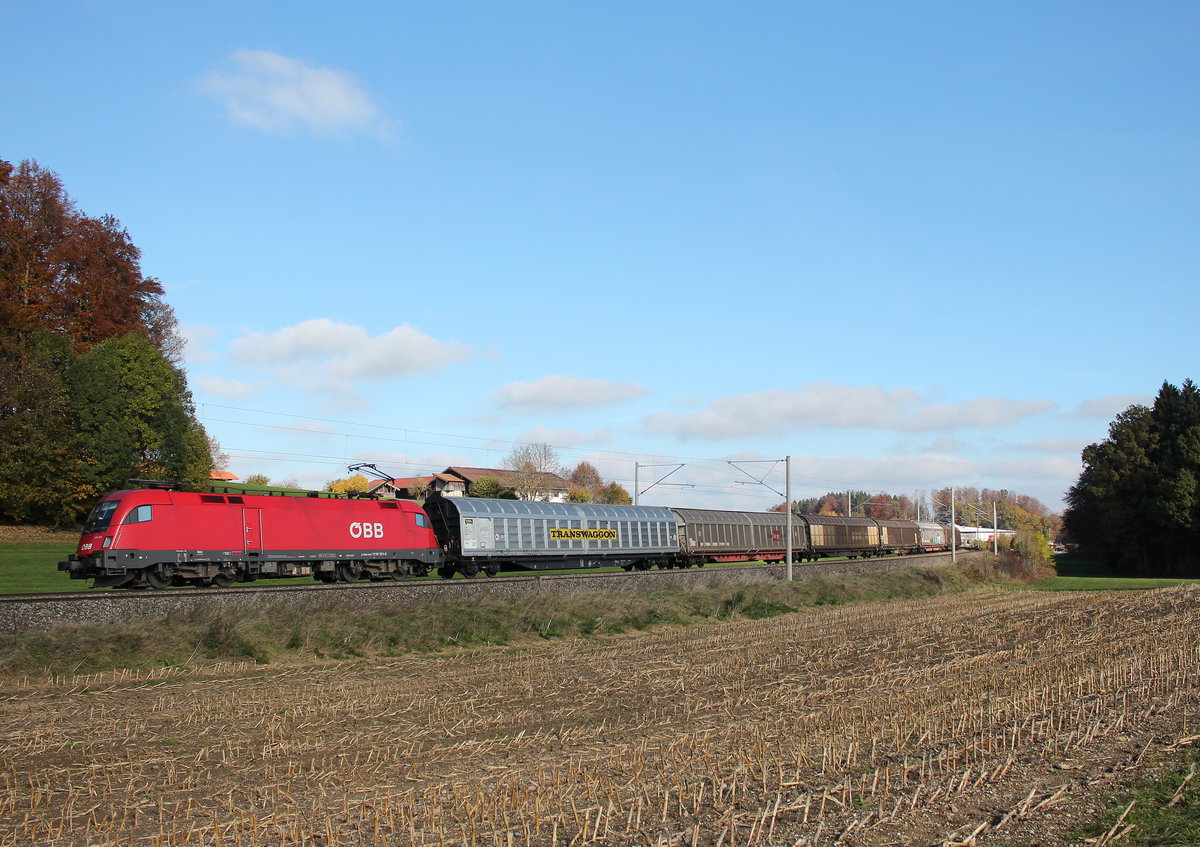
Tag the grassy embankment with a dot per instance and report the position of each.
(282, 633)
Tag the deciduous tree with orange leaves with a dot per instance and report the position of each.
(70, 283)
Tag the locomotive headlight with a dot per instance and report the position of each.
(107, 541)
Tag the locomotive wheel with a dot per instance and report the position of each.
(349, 571)
(156, 580)
(222, 580)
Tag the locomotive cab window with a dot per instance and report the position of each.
(139, 515)
(101, 516)
(421, 519)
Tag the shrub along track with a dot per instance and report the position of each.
(994, 714)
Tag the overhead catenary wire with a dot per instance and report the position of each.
(445, 440)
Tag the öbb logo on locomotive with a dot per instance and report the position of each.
(361, 529)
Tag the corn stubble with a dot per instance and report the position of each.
(861, 725)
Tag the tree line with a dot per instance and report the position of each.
(1137, 502)
(1034, 524)
(91, 391)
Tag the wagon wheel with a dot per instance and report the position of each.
(492, 570)
(446, 572)
(470, 570)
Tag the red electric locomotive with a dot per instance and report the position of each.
(155, 537)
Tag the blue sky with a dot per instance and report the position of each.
(910, 245)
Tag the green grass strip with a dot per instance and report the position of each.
(1164, 812)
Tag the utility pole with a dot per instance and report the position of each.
(953, 546)
(787, 509)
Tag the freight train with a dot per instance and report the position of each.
(155, 537)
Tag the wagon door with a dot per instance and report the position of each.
(477, 533)
(252, 522)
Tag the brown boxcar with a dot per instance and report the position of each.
(711, 535)
(832, 535)
(899, 537)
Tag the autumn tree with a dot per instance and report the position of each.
(881, 507)
(69, 285)
(586, 476)
(613, 494)
(532, 470)
(220, 459)
(355, 484)
(70, 273)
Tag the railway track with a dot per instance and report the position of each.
(35, 612)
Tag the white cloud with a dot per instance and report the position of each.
(325, 357)
(781, 411)
(197, 337)
(898, 473)
(973, 414)
(309, 340)
(1049, 468)
(275, 93)
(1107, 408)
(565, 437)
(1072, 446)
(564, 393)
(831, 406)
(228, 389)
(947, 444)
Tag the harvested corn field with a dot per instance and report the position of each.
(987, 717)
